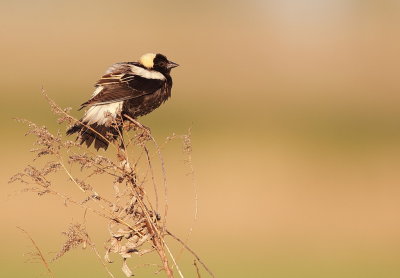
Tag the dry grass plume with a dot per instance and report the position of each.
(137, 223)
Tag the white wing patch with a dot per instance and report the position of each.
(100, 114)
(149, 74)
(146, 73)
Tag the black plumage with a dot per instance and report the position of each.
(129, 89)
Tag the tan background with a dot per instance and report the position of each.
(294, 107)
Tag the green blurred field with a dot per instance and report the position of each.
(294, 112)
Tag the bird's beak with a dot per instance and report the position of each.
(172, 65)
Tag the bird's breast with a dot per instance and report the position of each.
(143, 105)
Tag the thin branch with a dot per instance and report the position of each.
(99, 257)
(164, 182)
(163, 171)
(43, 260)
(157, 238)
(70, 176)
(197, 269)
(191, 251)
(173, 259)
(186, 140)
(152, 176)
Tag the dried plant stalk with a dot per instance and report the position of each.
(135, 224)
(38, 253)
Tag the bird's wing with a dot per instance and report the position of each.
(119, 86)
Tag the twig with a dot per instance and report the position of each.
(197, 269)
(152, 176)
(93, 246)
(70, 176)
(163, 171)
(191, 251)
(38, 252)
(157, 238)
(99, 257)
(164, 182)
(173, 259)
(187, 148)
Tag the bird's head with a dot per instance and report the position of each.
(157, 62)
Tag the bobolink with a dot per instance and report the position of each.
(130, 89)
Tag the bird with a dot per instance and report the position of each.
(126, 90)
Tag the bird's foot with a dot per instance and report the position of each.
(142, 127)
(145, 130)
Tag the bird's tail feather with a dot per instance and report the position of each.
(101, 135)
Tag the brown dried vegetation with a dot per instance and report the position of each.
(136, 226)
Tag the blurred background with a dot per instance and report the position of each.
(294, 109)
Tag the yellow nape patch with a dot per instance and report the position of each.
(147, 60)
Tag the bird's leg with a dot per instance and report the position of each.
(137, 124)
